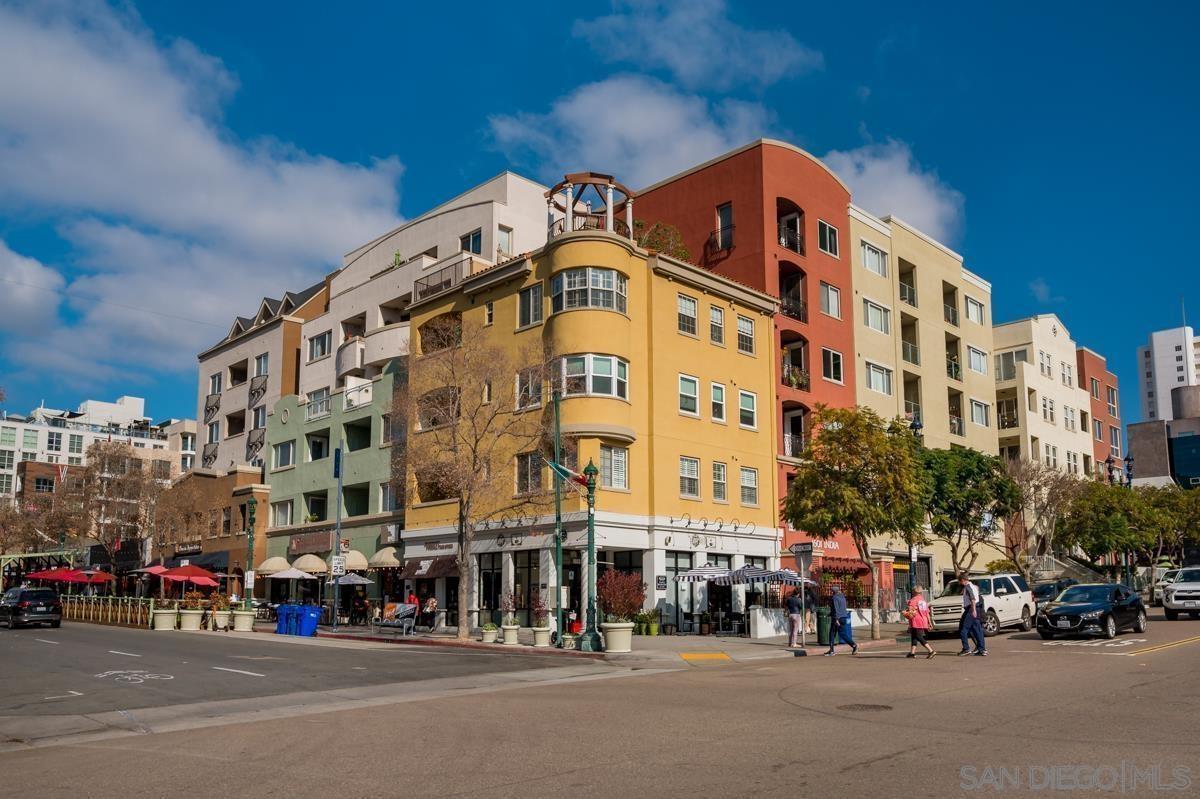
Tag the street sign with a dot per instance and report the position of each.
(345, 545)
(806, 547)
(337, 462)
(660, 582)
(337, 565)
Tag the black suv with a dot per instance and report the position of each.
(30, 606)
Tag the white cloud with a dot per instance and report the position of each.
(636, 128)
(886, 178)
(697, 43)
(28, 291)
(1041, 291)
(120, 137)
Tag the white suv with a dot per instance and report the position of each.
(1007, 601)
(1183, 595)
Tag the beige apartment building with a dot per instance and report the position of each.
(1043, 412)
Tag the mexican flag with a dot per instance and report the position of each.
(567, 475)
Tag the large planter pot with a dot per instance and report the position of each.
(510, 634)
(570, 641)
(190, 619)
(618, 636)
(639, 628)
(489, 636)
(243, 621)
(541, 636)
(221, 619)
(162, 620)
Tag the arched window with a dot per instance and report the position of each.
(440, 333)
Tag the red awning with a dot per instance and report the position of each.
(842, 564)
(429, 568)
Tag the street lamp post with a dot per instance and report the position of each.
(248, 572)
(591, 639)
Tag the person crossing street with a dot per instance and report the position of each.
(970, 626)
(839, 623)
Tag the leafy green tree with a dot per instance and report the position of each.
(1102, 519)
(861, 475)
(661, 237)
(970, 493)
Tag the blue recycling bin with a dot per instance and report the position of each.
(293, 625)
(308, 618)
(282, 613)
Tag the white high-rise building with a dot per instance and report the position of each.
(1170, 359)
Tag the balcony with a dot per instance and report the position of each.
(350, 356)
(445, 278)
(953, 369)
(209, 455)
(385, 343)
(912, 410)
(1008, 421)
(212, 404)
(357, 397)
(790, 238)
(950, 313)
(317, 409)
(254, 442)
(794, 376)
(794, 445)
(908, 294)
(258, 388)
(910, 352)
(794, 307)
(718, 245)
(957, 427)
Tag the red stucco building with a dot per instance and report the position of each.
(1104, 410)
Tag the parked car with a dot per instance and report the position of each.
(1007, 602)
(1183, 595)
(30, 606)
(1093, 609)
(1046, 592)
(1160, 585)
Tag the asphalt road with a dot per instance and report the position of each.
(1072, 715)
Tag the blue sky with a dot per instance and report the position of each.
(164, 165)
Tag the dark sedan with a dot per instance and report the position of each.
(30, 606)
(1046, 592)
(1092, 609)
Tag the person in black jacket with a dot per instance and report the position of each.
(839, 623)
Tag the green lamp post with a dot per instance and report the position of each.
(248, 572)
(591, 638)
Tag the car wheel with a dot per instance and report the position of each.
(1172, 615)
(1141, 623)
(1110, 627)
(1046, 634)
(991, 624)
(1026, 620)
(12, 623)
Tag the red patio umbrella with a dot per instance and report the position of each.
(54, 575)
(189, 574)
(96, 576)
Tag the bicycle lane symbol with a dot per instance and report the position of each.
(132, 676)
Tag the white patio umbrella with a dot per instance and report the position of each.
(291, 574)
(744, 576)
(789, 577)
(351, 579)
(702, 574)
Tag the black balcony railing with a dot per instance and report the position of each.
(589, 222)
(794, 307)
(443, 279)
(212, 404)
(209, 455)
(1008, 421)
(791, 239)
(258, 387)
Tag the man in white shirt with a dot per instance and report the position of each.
(970, 627)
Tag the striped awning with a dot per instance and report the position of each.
(703, 574)
(745, 575)
(788, 577)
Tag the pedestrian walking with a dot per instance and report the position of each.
(970, 626)
(919, 623)
(810, 608)
(839, 623)
(795, 612)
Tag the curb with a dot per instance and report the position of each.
(453, 643)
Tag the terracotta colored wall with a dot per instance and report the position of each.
(1089, 365)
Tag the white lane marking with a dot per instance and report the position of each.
(44, 641)
(67, 695)
(126, 654)
(239, 671)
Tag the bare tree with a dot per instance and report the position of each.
(178, 516)
(475, 412)
(1046, 493)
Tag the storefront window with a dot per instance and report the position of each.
(526, 580)
(491, 577)
(680, 596)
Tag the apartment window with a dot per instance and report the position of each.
(1114, 441)
(879, 378)
(318, 403)
(1048, 409)
(602, 375)
(588, 287)
(1072, 462)
(487, 392)
(6, 459)
(320, 345)
(745, 335)
(1045, 363)
(186, 461)
(489, 313)
(1069, 417)
(529, 387)
(529, 305)
(689, 477)
(831, 365)
(29, 456)
(1112, 402)
(226, 520)
(43, 485)
(1068, 374)
(1051, 456)
(387, 498)
(977, 360)
(1179, 357)
(504, 245)
(688, 389)
(1006, 363)
(29, 439)
(747, 409)
(8, 436)
(724, 226)
(980, 411)
(716, 324)
(687, 314)
(718, 402)
(529, 473)
(877, 317)
(284, 454)
(75, 444)
(262, 364)
(975, 311)
(749, 485)
(614, 467)
(54, 442)
(259, 420)
(472, 242)
(831, 301)
(874, 259)
(1096, 387)
(281, 513)
(385, 428)
(214, 432)
(827, 238)
(215, 383)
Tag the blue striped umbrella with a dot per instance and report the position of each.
(702, 574)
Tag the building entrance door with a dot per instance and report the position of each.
(681, 597)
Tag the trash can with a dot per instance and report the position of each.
(281, 619)
(824, 616)
(293, 620)
(309, 616)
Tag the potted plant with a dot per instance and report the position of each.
(191, 611)
(652, 622)
(706, 623)
(489, 633)
(509, 626)
(639, 623)
(163, 615)
(541, 620)
(622, 595)
(243, 620)
(220, 612)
